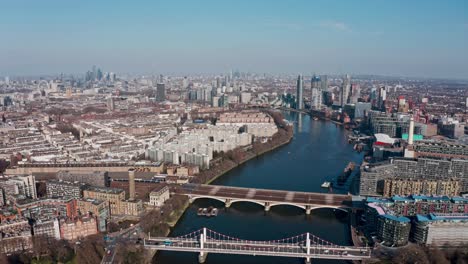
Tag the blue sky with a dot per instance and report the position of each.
(388, 37)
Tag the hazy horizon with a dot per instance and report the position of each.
(373, 37)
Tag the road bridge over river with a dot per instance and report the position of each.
(267, 198)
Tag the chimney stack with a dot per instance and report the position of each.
(411, 131)
(131, 184)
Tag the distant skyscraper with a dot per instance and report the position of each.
(110, 104)
(7, 80)
(344, 92)
(316, 96)
(160, 89)
(324, 83)
(99, 74)
(299, 96)
(382, 98)
(160, 92)
(355, 93)
(94, 73)
(185, 83)
(112, 77)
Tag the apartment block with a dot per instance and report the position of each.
(72, 229)
(58, 189)
(406, 187)
(49, 228)
(441, 229)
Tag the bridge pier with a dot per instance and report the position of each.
(308, 261)
(267, 207)
(202, 257)
(227, 203)
(308, 210)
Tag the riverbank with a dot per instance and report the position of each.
(249, 157)
(181, 211)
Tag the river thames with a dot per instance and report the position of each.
(318, 152)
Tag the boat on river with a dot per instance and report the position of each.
(346, 172)
(210, 211)
(326, 184)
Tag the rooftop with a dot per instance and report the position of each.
(104, 190)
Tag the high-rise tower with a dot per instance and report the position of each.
(299, 96)
(160, 89)
(316, 96)
(344, 92)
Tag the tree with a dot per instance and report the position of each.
(41, 189)
(40, 246)
(128, 254)
(112, 227)
(90, 250)
(3, 165)
(68, 128)
(411, 254)
(61, 250)
(3, 258)
(436, 256)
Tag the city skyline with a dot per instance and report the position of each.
(365, 37)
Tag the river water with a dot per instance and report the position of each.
(318, 152)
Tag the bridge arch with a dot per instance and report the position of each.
(193, 198)
(330, 207)
(290, 204)
(246, 200)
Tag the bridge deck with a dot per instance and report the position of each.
(258, 248)
(238, 193)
